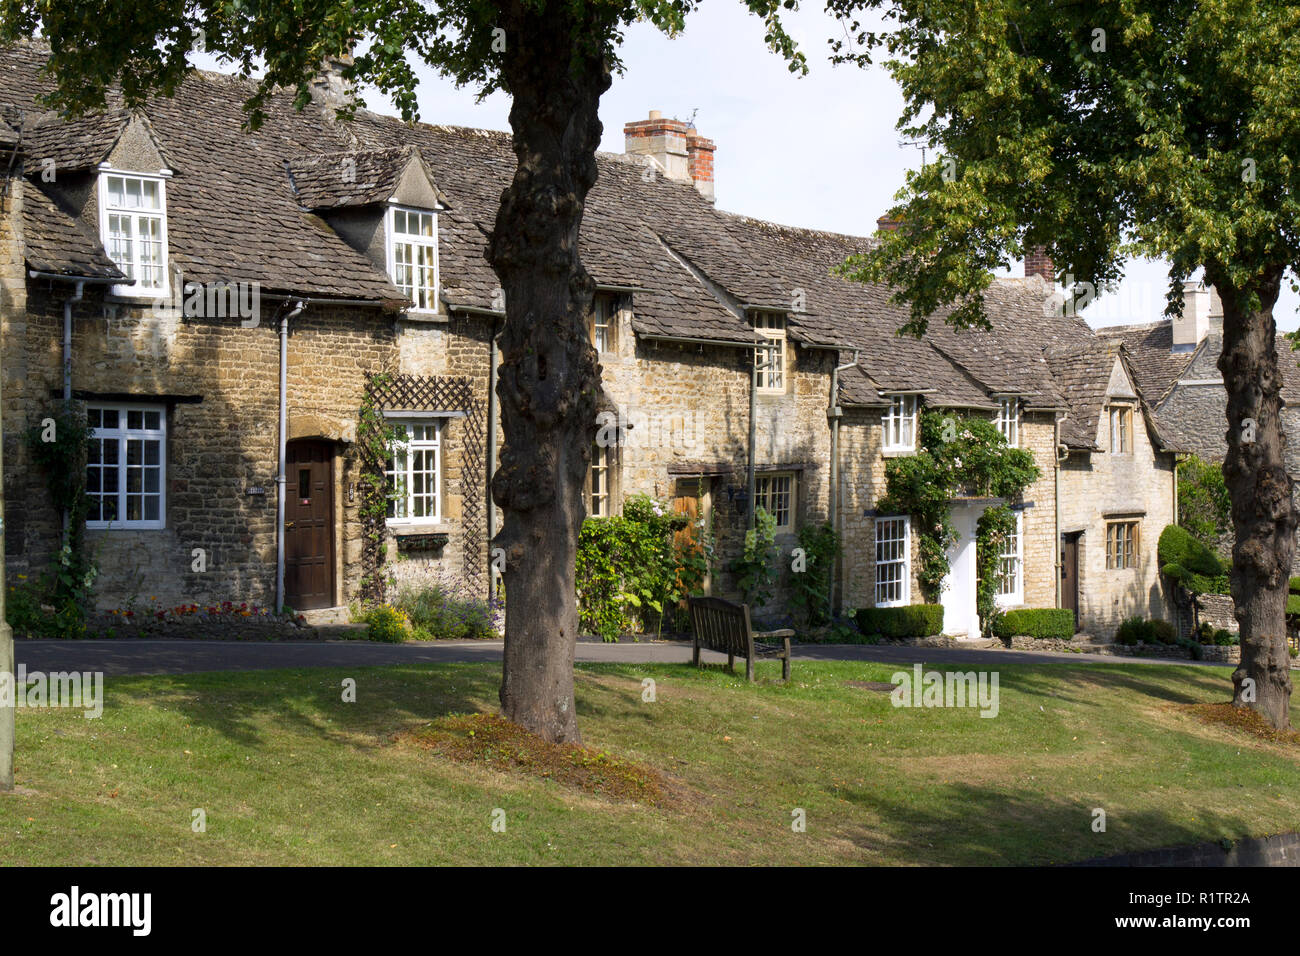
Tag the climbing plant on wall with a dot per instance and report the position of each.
(377, 437)
(958, 457)
(59, 444)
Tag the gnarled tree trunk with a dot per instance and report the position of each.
(549, 377)
(1263, 514)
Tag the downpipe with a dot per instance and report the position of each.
(280, 478)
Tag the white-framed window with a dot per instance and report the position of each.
(126, 465)
(604, 322)
(899, 423)
(602, 457)
(893, 561)
(769, 351)
(774, 493)
(414, 471)
(1121, 429)
(1008, 420)
(413, 255)
(133, 228)
(1011, 560)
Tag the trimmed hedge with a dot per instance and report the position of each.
(1190, 562)
(1040, 622)
(1135, 629)
(913, 620)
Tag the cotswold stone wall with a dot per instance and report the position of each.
(687, 406)
(1098, 487)
(863, 483)
(219, 384)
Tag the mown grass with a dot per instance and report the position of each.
(287, 773)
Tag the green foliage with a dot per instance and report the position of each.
(435, 613)
(1191, 563)
(1039, 622)
(1156, 144)
(628, 572)
(811, 587)
(377, 438)
(956, 456)
(465, 40)
(913, 620)
(1135, 629)
(992, 530)
(1193, 647)
(755, 567)
(1204, 508)
(387, 624)
(59, 445)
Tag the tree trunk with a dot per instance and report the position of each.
(549, 377)
(1263, 514)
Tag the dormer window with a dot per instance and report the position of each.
(1008, 420)
(133, 228)
(769, 352)
(1121, 429)
(899, 423)
(413, 255)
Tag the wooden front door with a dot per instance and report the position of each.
(309, 525)
(690, 499)
(1070, 575)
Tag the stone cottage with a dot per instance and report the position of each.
(236, 309)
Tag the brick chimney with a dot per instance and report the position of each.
(886, 224)
(674, 149)
(1038, 263)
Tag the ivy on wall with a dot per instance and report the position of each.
(376, 439)
(60, 447)
(958, 457)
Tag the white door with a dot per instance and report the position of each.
(960, 618)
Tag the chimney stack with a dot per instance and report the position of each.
(1038, 263)
(329, 89)
(885, 224)
(674, 149)
(1194, 323)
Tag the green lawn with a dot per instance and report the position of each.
(289, 774)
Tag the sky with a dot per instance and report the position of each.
(819, 151)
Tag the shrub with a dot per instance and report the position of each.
(436, 614)
(628, 569)
(1134, 630)
(810, 587)
(1191, 563)
(1040, 622)
(1224, 638)
(913, 620)
(1164, 632)
(386, 623)
(1193, 647)
(1204, 507)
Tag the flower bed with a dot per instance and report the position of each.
(224, 621)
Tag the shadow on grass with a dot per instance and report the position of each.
(1072, 684)
(966, 825)
(240, 706)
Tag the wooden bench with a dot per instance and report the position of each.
(724, 627)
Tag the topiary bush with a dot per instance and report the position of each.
(1191, 563)
(1039, 622)
(912, 620)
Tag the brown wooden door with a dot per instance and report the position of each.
(687, 501)
(1070, 575)
(309, 525)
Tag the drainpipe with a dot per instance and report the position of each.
(280, 479)
(1058, 448)
(67, 340)
(492, 456)
(753, 441)
(834, 412)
